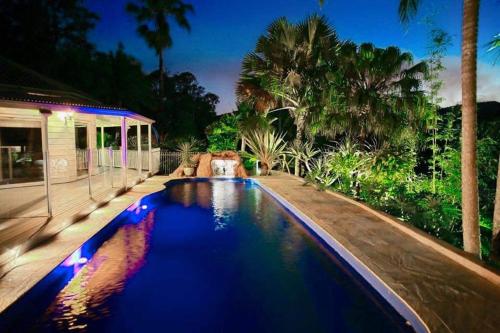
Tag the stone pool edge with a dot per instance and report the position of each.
(385, 291)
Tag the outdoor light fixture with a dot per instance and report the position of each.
(75, 258)
(65, 116)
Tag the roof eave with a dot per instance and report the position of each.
(98, 110)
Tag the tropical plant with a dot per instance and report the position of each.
(286, 65)
(250, 119)
(470, 194)
(320, 173)
(267, 146)
(494, 45)
(302, 152)
(223, 134)
(372, 93)
(186, 150)
(153, 17)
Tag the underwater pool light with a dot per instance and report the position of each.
(75, 259)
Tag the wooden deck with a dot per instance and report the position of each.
(27, 207)
(23, 273)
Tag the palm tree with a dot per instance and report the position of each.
(154, 27)
(494, 46)
(373, 93)
(470, 196)
(286, 66)
(249, 120)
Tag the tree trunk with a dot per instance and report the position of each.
(243, 143)
(470, 199)
(495, 239)
(300, 122)
(264, 169)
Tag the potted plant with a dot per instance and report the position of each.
(186, 149)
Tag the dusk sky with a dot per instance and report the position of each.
(223, 31)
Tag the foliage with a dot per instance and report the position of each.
(387, 179)
(302, 152)
(153, 18)
(371, 93)
(44, 28)
(266, 146)
(189, 109)
(57, 32)
(186, 148)
(285, 66)
(223, 134)
(494, 45)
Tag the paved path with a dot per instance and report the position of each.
(445, 294)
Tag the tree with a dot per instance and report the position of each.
(249, 120)
(189, 109)
(373, 93)
(33, 33)
(286, 66)
(154, 27)
(470, 196)
(223, 134)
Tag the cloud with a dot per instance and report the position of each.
(488, 82)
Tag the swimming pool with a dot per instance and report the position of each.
(204, 256)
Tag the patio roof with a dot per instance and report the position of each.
(21, 87)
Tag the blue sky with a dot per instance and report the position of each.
(223, 31)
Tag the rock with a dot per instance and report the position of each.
(204, 164)
(204, 168)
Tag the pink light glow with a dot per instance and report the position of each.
(75, 259)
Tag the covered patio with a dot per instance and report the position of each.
(61, 154)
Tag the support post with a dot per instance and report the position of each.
(11, 169)
(111, 164)
(123, 149)
(150, 153)
(46, 158)
(139, 150)
(90, 166)
(1, 162)
(102, 147)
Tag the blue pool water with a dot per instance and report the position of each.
(203, 256)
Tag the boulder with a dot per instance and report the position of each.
(204, 164)
(204, 168)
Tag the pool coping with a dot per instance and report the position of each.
(459, 256)
(396, 301)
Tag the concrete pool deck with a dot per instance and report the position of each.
(449, 294)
